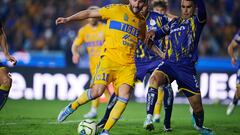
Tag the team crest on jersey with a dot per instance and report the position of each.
(152, 22)
(125, 17)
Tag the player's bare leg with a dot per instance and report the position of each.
(157, 78)
(5, 85)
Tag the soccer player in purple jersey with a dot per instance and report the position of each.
(184, 33)
(235, 43)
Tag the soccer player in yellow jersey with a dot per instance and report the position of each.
(125, 26)
(92, 34)
(5, 78)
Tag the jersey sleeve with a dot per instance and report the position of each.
(237, 38)
(163, 20)
(160, 20)
(201, 13)
(108, 11)
(79, 39)
(165, 30)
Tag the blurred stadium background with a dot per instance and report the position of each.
(43, 48)
(45, 70)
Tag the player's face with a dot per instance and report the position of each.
(136, 5)
(187, 8)
(160, 10)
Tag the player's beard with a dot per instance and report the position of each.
(135, 10)
(94, 23)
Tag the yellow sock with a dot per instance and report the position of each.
(82, 99)
(158, 105)
(95, 103)
(5, 88)
(107, 95)
(115, 114)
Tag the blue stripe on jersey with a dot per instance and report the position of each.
(124, 27)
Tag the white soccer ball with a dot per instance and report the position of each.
(87, 127)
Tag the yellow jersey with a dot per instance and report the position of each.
(123, 31)
(93, 38)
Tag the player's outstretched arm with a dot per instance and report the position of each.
(75, 54)
(231, 47)
(202, 13)
(85, 14)
(4, 45)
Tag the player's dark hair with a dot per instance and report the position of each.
(194, 1)
(161, 4)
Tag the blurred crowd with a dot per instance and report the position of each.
(30, 24)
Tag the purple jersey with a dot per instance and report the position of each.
(146, 60)
(184, 35)
(237, 37)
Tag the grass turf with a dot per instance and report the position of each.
(24, 117)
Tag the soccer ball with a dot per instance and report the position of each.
(87, 127)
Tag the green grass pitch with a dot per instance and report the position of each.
(39, 118)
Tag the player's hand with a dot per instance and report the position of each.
(162, 55)
(149, 36)
(61, 20)
(75, 58)
(233, 60)
(11, 59)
